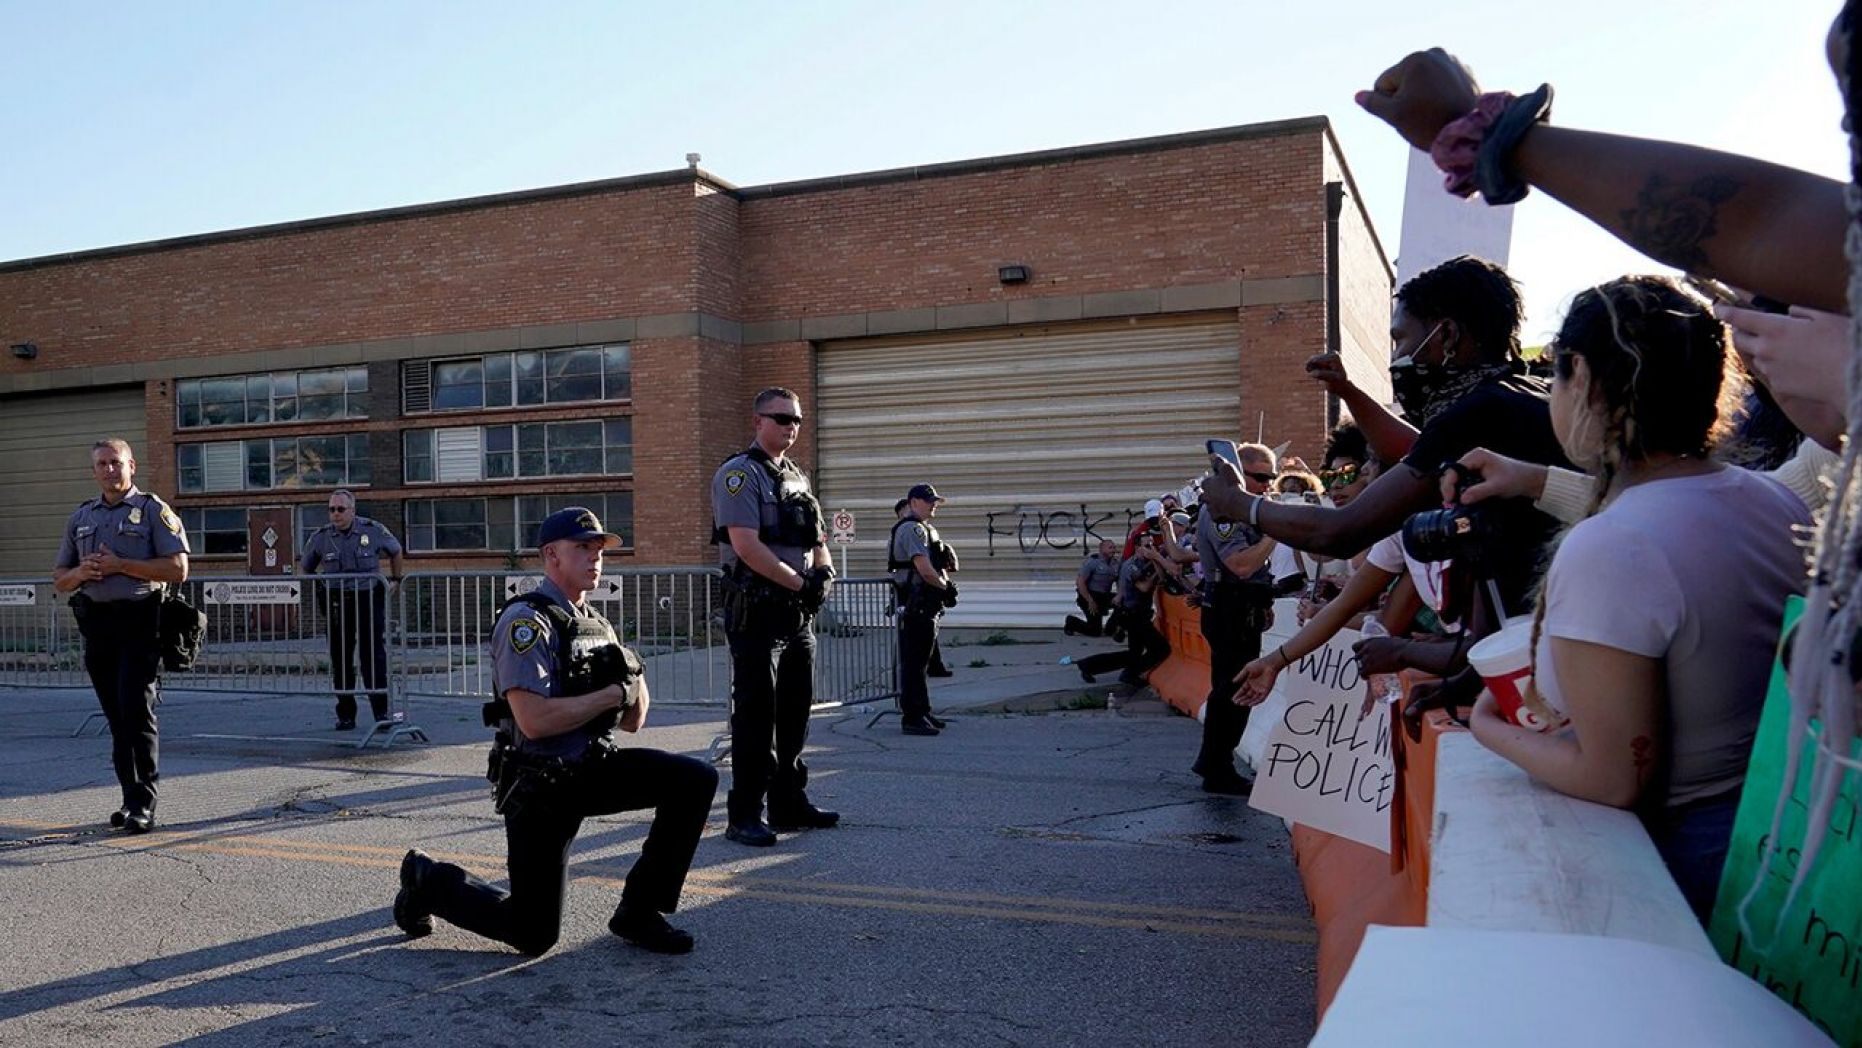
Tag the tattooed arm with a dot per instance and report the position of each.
(1610, 752)
(1774, 230)
(1766, 228)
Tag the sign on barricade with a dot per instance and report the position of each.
(217, 591)
(18, 596)
(606, 589)
(1324, 766)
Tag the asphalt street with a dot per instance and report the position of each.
(1022, 879)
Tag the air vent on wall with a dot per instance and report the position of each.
(416, 387)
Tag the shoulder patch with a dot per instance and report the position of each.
(524, 633)
(1224, 528)
(734, 481)
(170, 521)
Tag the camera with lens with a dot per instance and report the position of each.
(1463, 534)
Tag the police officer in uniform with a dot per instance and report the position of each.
(1093, 590)
(355, 610)
(777, 575)
(920, 572)
(562, 683)
(938, 667)
(1237, 604)
(118, 551)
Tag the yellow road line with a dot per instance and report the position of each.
(725, 885)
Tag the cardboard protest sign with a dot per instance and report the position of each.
(1813, 960)
(1323, 766)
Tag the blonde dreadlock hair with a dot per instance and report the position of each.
(1659, 372)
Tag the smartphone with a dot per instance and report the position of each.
(1223, 451)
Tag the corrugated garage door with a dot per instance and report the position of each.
(45, 446)
(1043, 439)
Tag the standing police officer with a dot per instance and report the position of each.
(117, 550)
(1237, 602)
(562, 683)
(920, 570)
(355, 609)
(777, 572)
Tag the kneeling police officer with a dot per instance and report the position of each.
(562, 682)
(777, 574)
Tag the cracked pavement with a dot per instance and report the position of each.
(1021, 879)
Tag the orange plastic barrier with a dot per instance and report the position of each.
(1352, 886)
(1183, 678)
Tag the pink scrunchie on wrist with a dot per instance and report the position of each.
(1459, 142)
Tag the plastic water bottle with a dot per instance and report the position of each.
(1385, 687)
(1066, 660)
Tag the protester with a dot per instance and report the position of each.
(1661, 667)
(1455, 367)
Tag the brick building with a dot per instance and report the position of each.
(467, 366)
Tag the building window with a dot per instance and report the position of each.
(505, 524)
(587, 448)
(213, 530)
(532, 378)
(335, 460)
(281, 396)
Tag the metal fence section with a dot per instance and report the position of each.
(671, 616)
(857, 645)
(39, 645)
(272, 635)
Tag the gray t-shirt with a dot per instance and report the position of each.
(1216, 539)
(140, 527)
(1099, 573)
(1693, 571)
(358, 550)
(523, 655)
(910, 538)
(744, 495)
(1130, 596)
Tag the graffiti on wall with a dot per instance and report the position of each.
(1025, 531)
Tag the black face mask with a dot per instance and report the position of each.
(1415, 385)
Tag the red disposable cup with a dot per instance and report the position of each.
(1504, 661)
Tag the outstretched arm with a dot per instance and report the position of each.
(1767, 228)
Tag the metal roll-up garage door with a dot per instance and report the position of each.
(1043, 439)
(45, 446)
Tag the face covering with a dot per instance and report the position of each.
(1424, 391)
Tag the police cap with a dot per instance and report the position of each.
(575, 523)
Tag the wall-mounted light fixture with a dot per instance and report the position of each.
(25, 350)
(1013, 274)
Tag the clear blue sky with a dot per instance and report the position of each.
(130, 122)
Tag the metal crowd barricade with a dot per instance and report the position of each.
(857, 645)
(272, 635)
(39, 645)
(671, 616)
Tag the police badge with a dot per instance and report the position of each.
(734, 481)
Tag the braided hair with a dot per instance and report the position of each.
(1659, 385)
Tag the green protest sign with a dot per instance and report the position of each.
(1813, 959)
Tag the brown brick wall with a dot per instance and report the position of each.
(1185, 216)
(540, 262)
(1216, 212)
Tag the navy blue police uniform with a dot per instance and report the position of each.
(118, 616)
(772, 641)
(355, 609)
(544, 787)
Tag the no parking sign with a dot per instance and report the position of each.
(840, 527)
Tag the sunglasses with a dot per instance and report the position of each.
(1341, 477)
(1262, 478)
(339, 509)
(781, 419)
